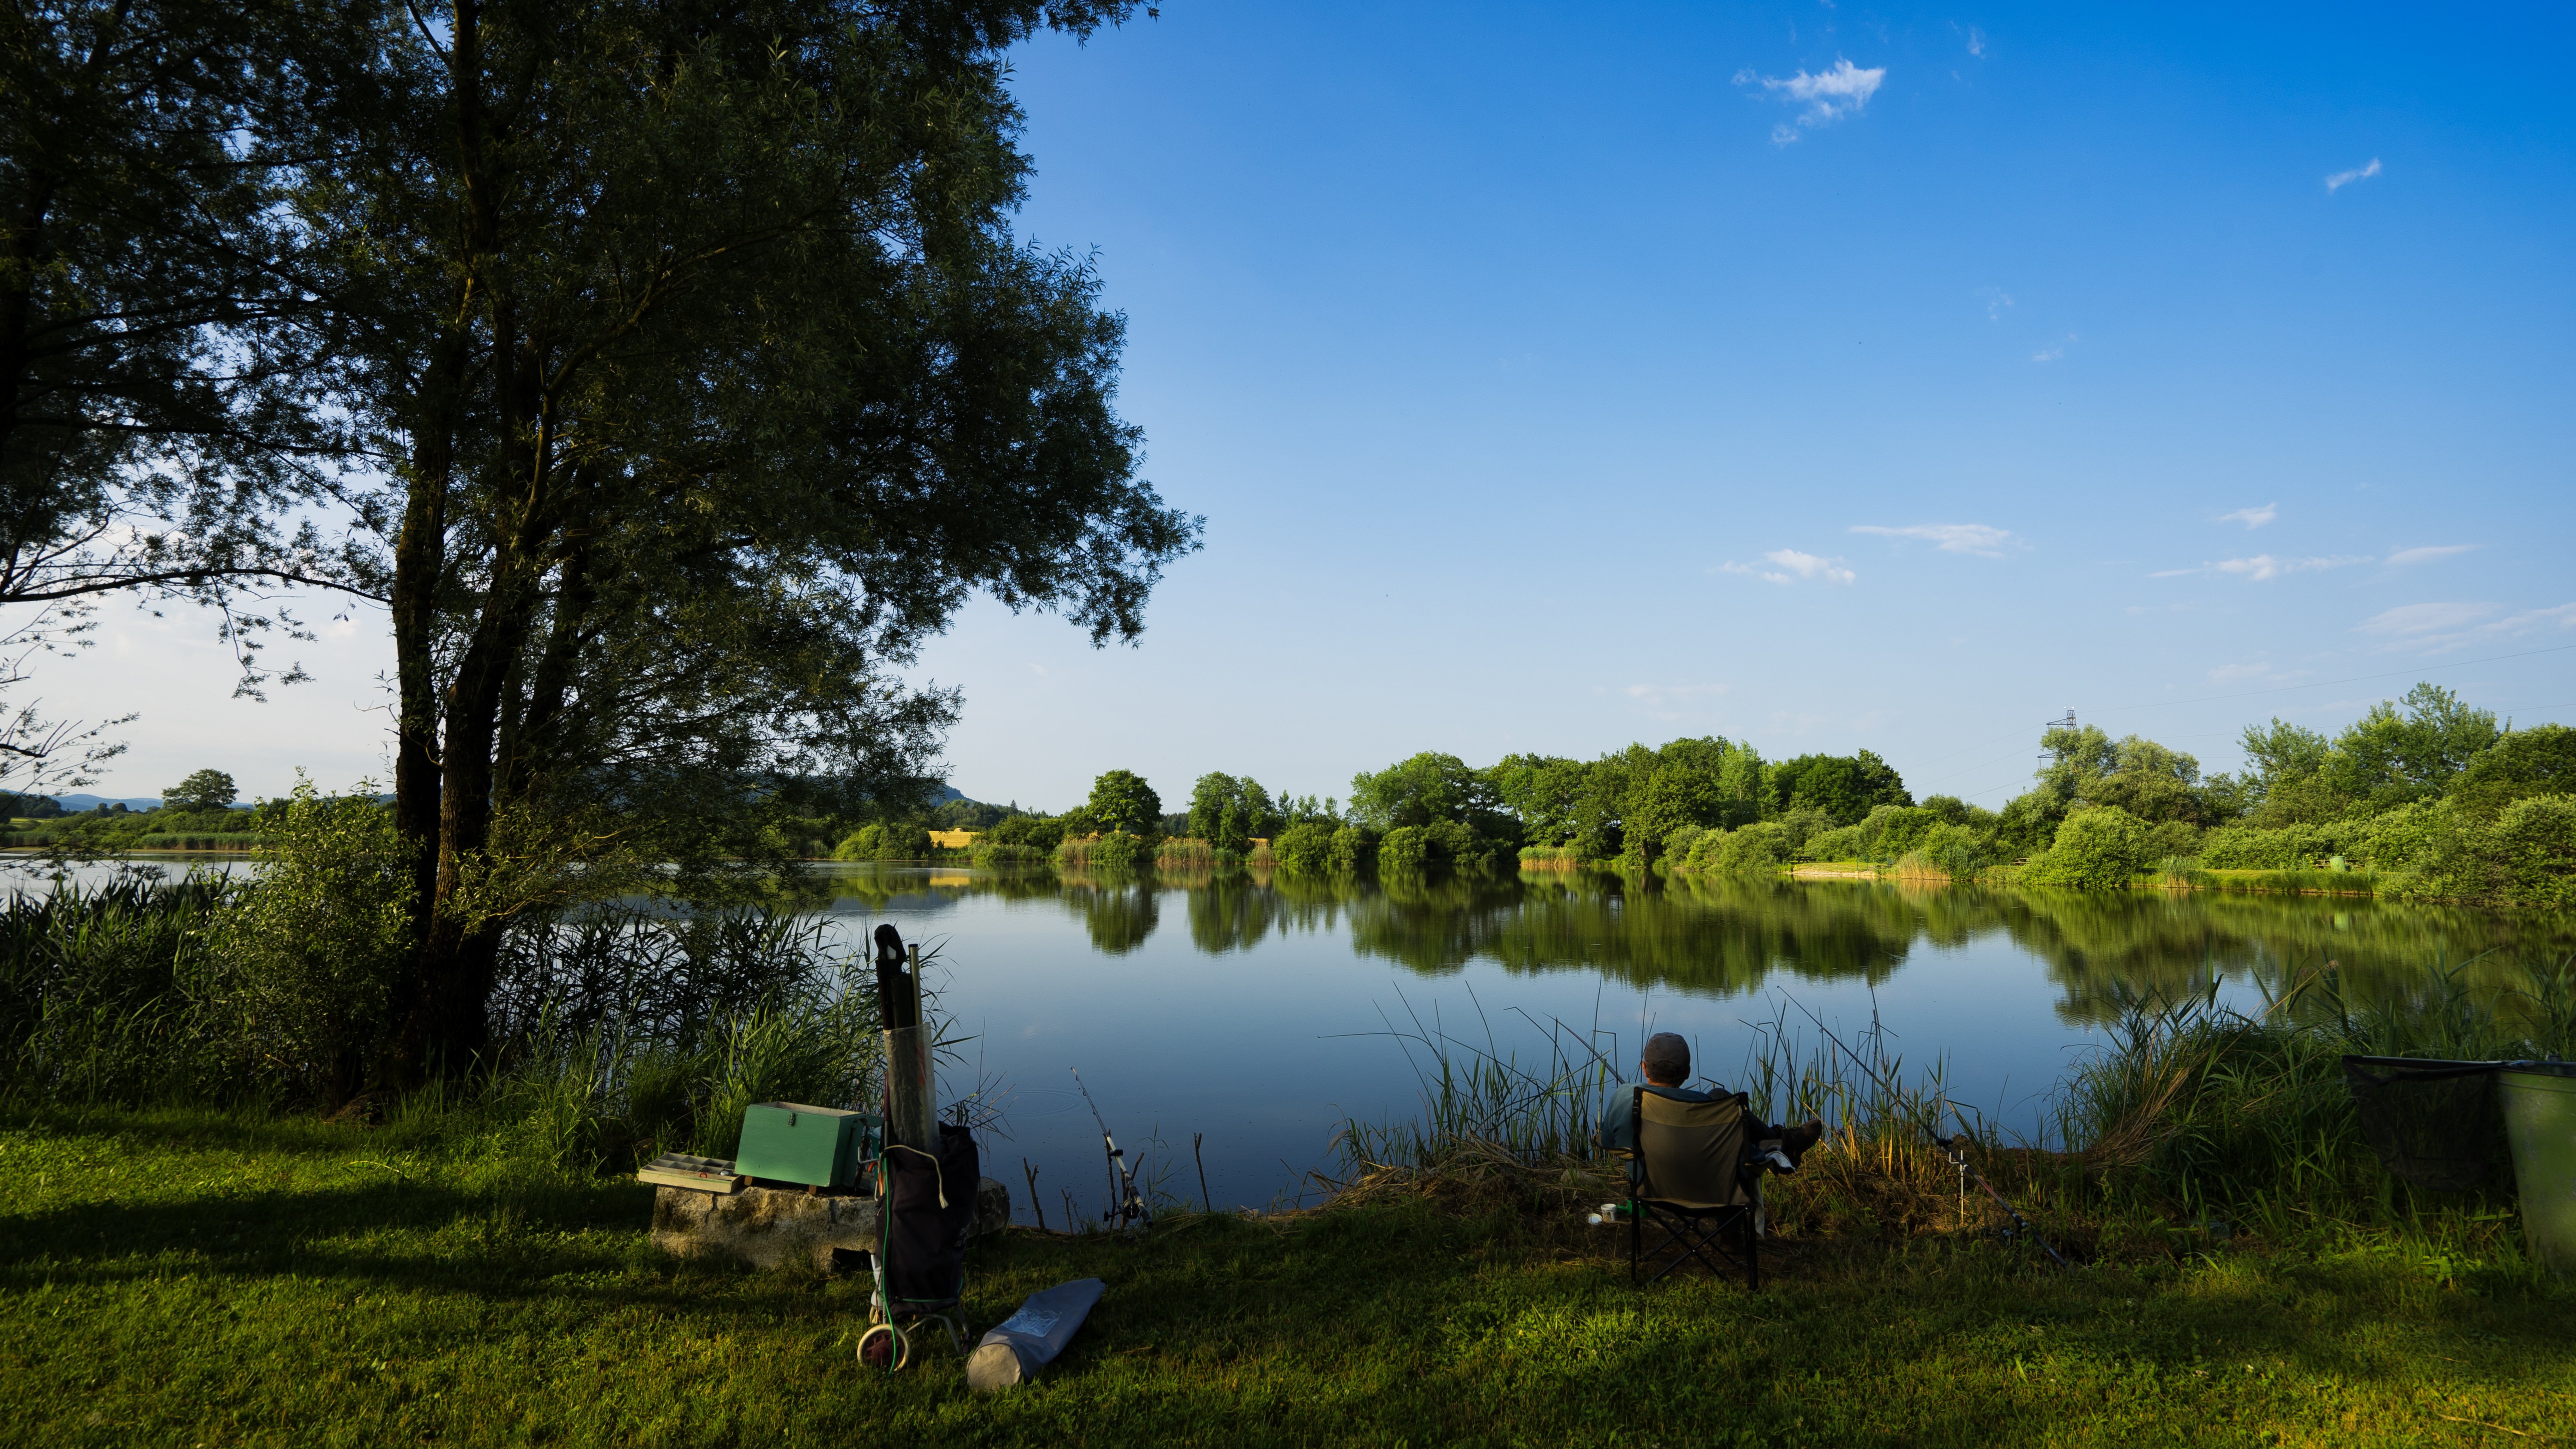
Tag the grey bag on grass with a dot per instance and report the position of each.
(1030, 1339)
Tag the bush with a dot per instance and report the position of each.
(1406, 849)
(304, 962)
(1305, 848)
(1114, 850)
(904, 840)
(1354, 848)
(2535, 851)
(865, 843)
(2096, 849)
(1763, 846)
(1957, 851)
(2174, 838)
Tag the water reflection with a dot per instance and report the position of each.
(1732, 936)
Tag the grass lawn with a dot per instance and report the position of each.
(194, 1278)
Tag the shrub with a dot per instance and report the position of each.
(1759, 847)
(1354, 848)
(1117, 850)
(1843, 843)
(904, 840)
(304, 962)
(2173, 838)
(1305, 848)
(1955, 850)
(865, 843)
(2534, 851)
(2096, 849)
(1406, 848)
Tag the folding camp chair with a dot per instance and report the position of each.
(1695, 1174)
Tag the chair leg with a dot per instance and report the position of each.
(1636, 1236)
(1752, 1256)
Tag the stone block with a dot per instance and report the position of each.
(770, 1227)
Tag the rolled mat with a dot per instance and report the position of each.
(1029, 1340)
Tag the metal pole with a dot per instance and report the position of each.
(912, 1098)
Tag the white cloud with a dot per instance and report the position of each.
(2409, 620)
(1829, 95)
(2436, 627)
(1976, 41)
(2429, 553)
(1982, 539)
(2263, 566)
(1658, 695)
(2342, 179)
(2051, 354)
(1788, 566)
(2252, 517)
(1996, 299)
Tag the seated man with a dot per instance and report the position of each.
(1665, 1064)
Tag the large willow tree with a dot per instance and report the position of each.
(693, 376)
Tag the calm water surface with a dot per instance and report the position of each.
(1260, 1014)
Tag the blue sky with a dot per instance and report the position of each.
(1822, 376)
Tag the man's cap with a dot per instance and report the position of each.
(1667, 1055)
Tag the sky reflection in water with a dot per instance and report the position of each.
(1255, 1012)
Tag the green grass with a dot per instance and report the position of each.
(196, 1278)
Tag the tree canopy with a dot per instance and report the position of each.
(204, 790)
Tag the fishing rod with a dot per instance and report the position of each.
(1949, 1145)
(1122, 1182)
(1959, 1158)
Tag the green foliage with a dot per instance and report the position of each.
(2096, 849)
(1845, 788)
(1122, 801)
(1304, 849)
(1763, 846)
(2524, 763)
(1037, 832)
(1404, 850)
(303, 966)
(865, 843)
(1228, 812)
(1418, 791)
(1354, 849)
(91, 1003)
(1115, 851)
(204, 790)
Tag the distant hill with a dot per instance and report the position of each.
(77, 801)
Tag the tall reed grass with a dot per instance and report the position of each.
(2192, 1119)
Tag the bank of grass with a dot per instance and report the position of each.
(189, 1277)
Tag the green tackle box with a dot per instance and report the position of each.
(791, 1142)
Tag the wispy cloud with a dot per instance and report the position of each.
(2264, 566)
(2429, 553)
(1829, 95)
(2051, 354)
(2342, 179)
(1788, 566)
(1659, 696)
(1982, 539)
(1997, 300)
(2440, 626)
(2252, 517)
(1976, 41)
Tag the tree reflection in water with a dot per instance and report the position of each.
(1724, 936)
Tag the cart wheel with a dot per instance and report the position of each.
(885, 1347)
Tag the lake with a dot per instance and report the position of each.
(1261, 1014)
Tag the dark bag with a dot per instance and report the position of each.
(932, 1206)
